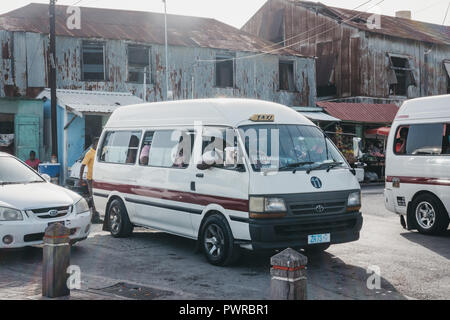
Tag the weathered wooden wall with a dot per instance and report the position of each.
(24, 71)
(362, 64)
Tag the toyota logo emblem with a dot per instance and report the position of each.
(53, 213)
(319, 208)
(316, 183)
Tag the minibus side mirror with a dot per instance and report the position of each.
(231, 156)
(46, 177)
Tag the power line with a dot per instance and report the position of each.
(298, 35)
(446, 13)
(288, 46)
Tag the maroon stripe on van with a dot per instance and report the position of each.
(421, 180)
(180, 196)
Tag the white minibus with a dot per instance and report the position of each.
(230, 173)
(418, 165)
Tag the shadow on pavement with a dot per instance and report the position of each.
(438, 244)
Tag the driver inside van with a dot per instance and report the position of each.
(446, 140)
(400, 144)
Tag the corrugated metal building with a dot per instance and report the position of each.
(360, 57)
(113, 49)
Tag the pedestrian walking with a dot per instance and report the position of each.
(88, 162)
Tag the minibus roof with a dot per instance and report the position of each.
(425, 108)
(221, 112)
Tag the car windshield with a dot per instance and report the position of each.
(12, 171)
(288, 147)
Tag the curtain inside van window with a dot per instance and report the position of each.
(425, 139)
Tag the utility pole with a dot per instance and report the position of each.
(53, 76)
(167, 54)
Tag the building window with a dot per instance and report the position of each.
(286, 75)
(138, 64)
(447, 69)
(325, 64)
(401, 75)
(93, 54)
(225, 71)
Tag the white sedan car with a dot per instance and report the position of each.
(29, 204)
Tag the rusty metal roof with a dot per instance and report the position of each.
(82, 101)
(138, 26)
(391, 26)
(360, 112)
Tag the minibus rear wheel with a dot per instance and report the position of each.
(217, 241)
(429, 214)
(119, 222)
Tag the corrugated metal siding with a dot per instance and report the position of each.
(362, 66)
(361, 112)
(256, 77)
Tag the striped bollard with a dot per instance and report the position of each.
(288, 276)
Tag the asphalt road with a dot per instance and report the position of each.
(156, 265)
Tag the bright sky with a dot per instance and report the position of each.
(237, 12)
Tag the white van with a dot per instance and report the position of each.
(418, 165)
(251, 174)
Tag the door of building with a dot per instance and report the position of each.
(26, 135)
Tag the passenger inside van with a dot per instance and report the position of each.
(145, 151)
(400, 144)
(446, 140)
(132, 149)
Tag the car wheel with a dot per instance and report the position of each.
(429, 215)
(317, 248)
(119, 222)
(217, 241)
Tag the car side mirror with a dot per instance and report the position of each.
(46, 177)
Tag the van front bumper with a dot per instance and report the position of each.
(293, 232)
(30, 232)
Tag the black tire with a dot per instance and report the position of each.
(317, 248)
(216, 229)
(119, 222)
(429, 215)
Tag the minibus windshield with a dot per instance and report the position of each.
(289, 147)
(13, 171)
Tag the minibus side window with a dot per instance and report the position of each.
(215, 139)
(145, 148)
(171, 149)
(120, 147)
(422, 139)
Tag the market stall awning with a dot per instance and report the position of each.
(314, 113)
(360, 112)
(383, 131)
(82, 101)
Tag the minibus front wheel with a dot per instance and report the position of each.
(217, 241)
(119, 222)
(429, 214)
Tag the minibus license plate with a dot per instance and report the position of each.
(319, 238)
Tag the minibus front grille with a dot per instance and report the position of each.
(43, 213)
(318, 208)
(297, 230)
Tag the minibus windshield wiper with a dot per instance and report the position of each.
(327, 165)
(296, 165)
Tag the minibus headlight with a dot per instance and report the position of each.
(9, 214)
(261, 207)
(354, 201)
(81, 206)
(274, 205)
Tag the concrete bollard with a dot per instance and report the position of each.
(288, 276)
(56, 260)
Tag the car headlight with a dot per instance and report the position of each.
(354, 201)
(9, 214)
(81, 206)
(265, 207)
